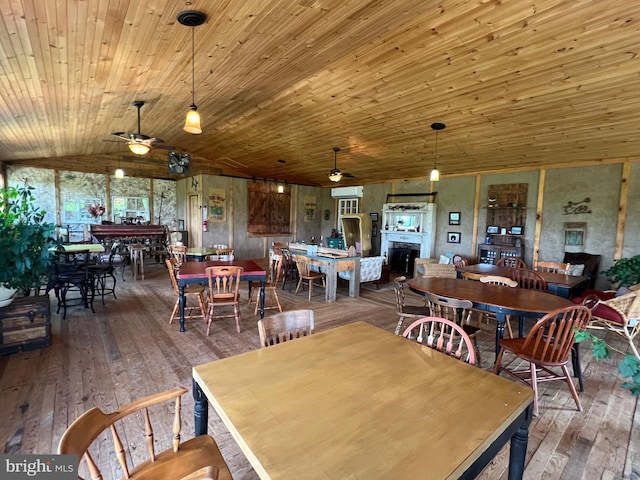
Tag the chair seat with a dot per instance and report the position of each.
(193, 289)
(194, 454)
(516, 345)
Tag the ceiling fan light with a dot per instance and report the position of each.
(435, 175)
(138, 148)
(119, 173)
(192, 123)
(335, 175)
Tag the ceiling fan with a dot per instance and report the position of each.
(138, 143)
(336, 175)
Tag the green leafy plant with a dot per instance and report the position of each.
(25, 239)
(629, 367)
(624, 272)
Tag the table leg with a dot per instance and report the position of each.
(331, 281)
(500, 319)
(262, 285)
(518, 451)
(201, 410)
(181, 309)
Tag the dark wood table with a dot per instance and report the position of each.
(501, 301)
(359, 402)
(195, 272)
(558, 283)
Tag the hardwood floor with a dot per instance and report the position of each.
(127, 350)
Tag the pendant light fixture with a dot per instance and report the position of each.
(119, 173)
(335, 175)
(192, 18)
(435, 174)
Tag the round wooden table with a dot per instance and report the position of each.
(501, 301)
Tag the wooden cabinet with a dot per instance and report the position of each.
(506, 218)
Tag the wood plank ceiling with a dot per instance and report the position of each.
(518, 84)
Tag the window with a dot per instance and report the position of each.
(131, 208)
(347, 206)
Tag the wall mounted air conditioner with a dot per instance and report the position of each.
(347, 192)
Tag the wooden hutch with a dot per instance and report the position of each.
(506, 218)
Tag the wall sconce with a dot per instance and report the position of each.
(280, 188)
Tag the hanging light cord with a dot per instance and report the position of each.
(435, 153)
(193, 68)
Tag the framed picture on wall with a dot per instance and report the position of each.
(454, 218)
(180, 224)
(453, 237)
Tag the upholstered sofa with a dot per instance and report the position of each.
(370, 270)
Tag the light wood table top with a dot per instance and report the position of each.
(80, 247)
(359, 402)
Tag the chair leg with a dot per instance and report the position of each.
(236, 309)
(399, 325)
(209, 318)
(203, 308)
(572, 387)
(508, 323)
(175, 310)
(310, 288)
(298, 287)
(534, 385)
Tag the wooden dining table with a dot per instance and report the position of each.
(359, 402)
(195, 272)
(559, 283)
(497, 299)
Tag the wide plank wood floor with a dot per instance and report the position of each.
(127, 350)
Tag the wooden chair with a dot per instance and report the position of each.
(459, 261)
(528, 278)
(511, 262)
(458, 311)
(224, 285)
(285, 326)
(443, 335)
(305, 274)
(197, 458)
(504, 281)
(553, 267)
(179, 252)
(620, 315)
(289, 268)
(195, 292)
(547, 346)
(224, 254)
(404, 310)
(270, 288)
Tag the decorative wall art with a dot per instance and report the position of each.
(453, 237)
(575, 233)
(309, 208)
(454, 218)
(217, 205)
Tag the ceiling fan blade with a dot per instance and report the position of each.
(347, 175)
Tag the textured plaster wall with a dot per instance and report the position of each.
(601, 184)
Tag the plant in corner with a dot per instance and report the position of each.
(25, 239)
(624, 273)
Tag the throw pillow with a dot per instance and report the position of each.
(576, 270)
(444, 260)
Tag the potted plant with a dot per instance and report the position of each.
(625, 272)
(25, 239)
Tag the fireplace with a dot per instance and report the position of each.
(402, 260)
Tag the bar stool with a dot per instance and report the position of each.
(137, 260)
